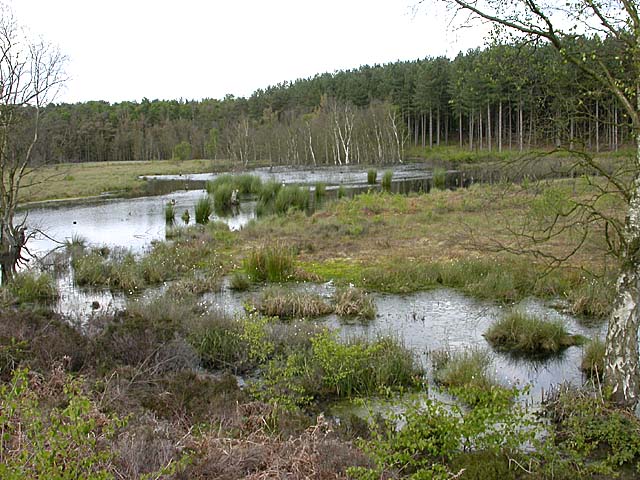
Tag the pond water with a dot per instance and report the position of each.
(130, 223)
(447, 319)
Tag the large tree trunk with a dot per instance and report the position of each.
(621, 356)
(622, 369)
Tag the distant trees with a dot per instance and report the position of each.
(517, 96)
(30, 74)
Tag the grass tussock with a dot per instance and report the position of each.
(30, 287)
(203, 210)
(372, 176)
(287, 304)
(239, 281)
(270, 263)
(592, 363)
(386, 181)
(275, 198)
(464, 369)
(169, 213)
(518, 332)
(352, 302)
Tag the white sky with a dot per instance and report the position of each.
(192, 49)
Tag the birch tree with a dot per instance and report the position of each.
(31, 73)
(616, 68)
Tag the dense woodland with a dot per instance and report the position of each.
(516, 96)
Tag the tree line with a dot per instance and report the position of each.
(515, 96)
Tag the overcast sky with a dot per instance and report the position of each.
(193, 49)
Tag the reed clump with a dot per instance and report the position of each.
(372, 176)
(30, 286)
(203, 210)
(287, 304)
(169, 213)
(386, 180)
(518, 332)
(592, 363)
(352, 302)
(270, 263)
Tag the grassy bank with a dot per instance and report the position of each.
(76, 180)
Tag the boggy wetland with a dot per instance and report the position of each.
(328, 325)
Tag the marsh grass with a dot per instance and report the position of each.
(203, 210)
(466, 368)
(360, 367)
(270, 263)
(30, 287)
(525, 334)
(288, 304)
(218, 340)
(169, 213)
(320, 191)
(239, 281)
(372, 176)
(592, 297)
(386, 180)
(222, 196)
(352, 302)
(439, 178)
(291, 197)
(592, 363)
(186, 217)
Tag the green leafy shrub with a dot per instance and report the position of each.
(67, 442)
(182, 151)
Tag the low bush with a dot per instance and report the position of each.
(67, 442)
(525, 334)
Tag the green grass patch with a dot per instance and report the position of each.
(439, 178)
(30, 287)
(525, 334)
(386, 180)
(372, 176)
(465, 373)
(592, 363)
(203, 209)
(169, 213)
(270, 263)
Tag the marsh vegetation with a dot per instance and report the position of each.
(309, 331)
